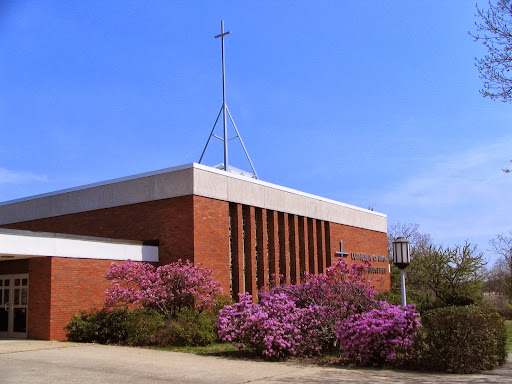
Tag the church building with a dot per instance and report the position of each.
(55, 248)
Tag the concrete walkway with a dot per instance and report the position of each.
(34, 362)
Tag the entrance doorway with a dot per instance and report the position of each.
(13, 305)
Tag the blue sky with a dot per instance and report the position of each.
(372, 103)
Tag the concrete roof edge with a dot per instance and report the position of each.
(100, 183)
(191, 166)
(284, 189)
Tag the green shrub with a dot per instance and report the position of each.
(502, 307)
(189, 328)
(104, 327)
(461, 340)
(506, 312)
(144, 327)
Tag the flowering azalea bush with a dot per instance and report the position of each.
(342, 291)
(380, 335)
(326, 312)
(168, 288)
(274, 328)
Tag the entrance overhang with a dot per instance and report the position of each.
(16, 244)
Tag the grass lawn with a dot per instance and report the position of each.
(508, 324)
(215, 349)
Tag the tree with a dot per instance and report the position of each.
(502, 246)
(416, 239)
(454, 275)
(448, 275)
(494, 31)
(497, 281)
(410, 232)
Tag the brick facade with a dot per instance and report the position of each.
(170, 221)
(245, 247)
(357, 240)
(58, 288)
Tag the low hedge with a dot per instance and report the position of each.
(142, 327)
(103, 327)
(464, 339)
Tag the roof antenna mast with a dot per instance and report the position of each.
(225, 113)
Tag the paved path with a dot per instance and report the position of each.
(34, 362)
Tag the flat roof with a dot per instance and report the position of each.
(188, 179)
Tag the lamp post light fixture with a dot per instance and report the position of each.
(402, 258)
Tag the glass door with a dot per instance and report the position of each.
(13, 305)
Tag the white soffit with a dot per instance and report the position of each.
(24, 244)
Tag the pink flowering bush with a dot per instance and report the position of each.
(381, 335)
(339, 293)
(301, 319)
(168, 288)
(274, 328)
(335, 311)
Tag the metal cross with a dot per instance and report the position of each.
(341, 253)
(225, 113)
(224, 120)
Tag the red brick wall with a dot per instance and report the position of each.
(70, 285)
(76, 284)
(363, 241)
(58, 288)
(211, 238)
(294, 245)
(168, 220)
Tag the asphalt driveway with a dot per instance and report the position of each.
(38, 362)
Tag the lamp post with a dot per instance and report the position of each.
(402, 258)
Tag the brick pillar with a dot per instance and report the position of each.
(321, 245)
(273, 245)
(295, 270)
(312, 244)
(262, 236)
(39, 298)
(328, 251)
(237, 251)
(250, 251)
(303, 245)
(284, 248)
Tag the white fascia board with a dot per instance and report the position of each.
(21, 246)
